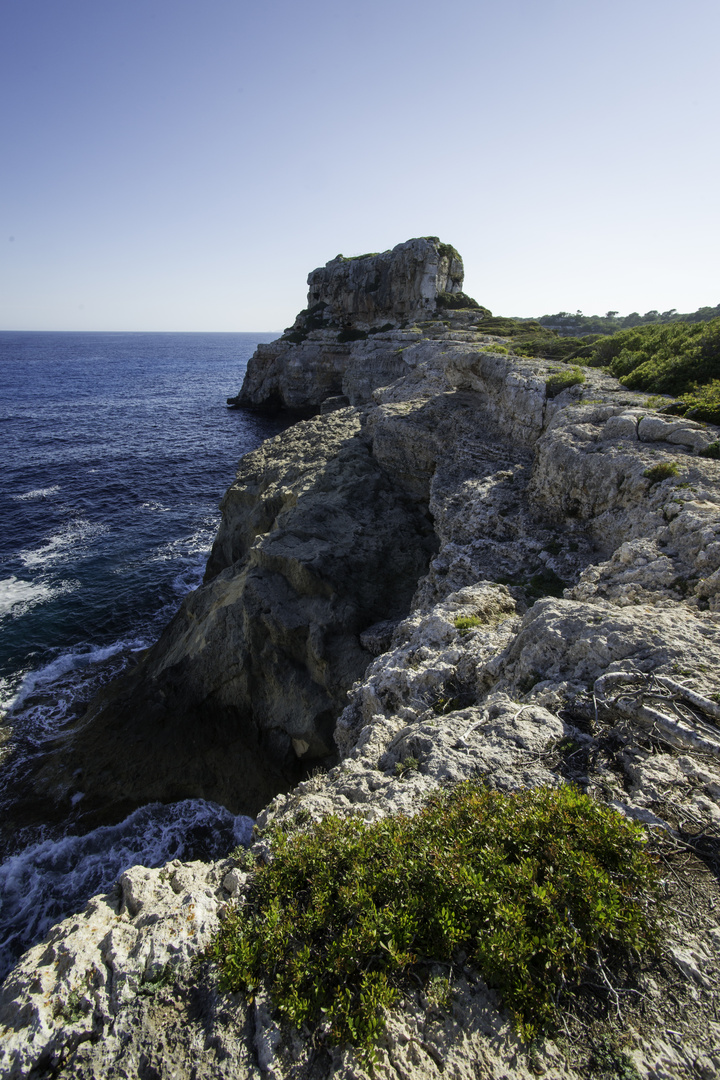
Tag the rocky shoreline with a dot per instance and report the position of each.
(453, 570)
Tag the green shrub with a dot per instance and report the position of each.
(463, 623)
(711, 451)
(670, 358)
(456, 300)
(503, 327)
(700, 403)
(664, 471)
(407, 765)
(354, 258)
(550, 346)
(610, 1061)
(446, 250)
(561, 380)
(529, 884)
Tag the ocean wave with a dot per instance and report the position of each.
(36, 493)
(188, 553)
(52, 879)
(60, 677)
(17, 595)
(63, 544)
(187, 547)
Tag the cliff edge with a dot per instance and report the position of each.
(470, 566)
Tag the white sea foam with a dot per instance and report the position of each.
(63, 544)
(73, 663)
(55, 878)
(155, 507)
(15, 593)
(187, 548)
(37, 493)
(189, 554)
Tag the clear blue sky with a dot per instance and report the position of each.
(183, 164)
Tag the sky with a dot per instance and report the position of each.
(184, 164)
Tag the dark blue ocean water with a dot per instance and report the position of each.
(116, 449)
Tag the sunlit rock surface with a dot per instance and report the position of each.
(455, 576)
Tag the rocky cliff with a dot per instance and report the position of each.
(461, 573)
(350, 301)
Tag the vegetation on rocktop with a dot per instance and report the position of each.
(458, 300)
(669, 359)
(532, 887)
(665, 470)
(446, 251)
(561, 380)
(566, 322)
(354, 258)
(679, 358)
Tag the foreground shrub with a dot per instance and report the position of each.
(531, 885)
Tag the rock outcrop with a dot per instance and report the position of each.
(459, 575)
(396, 285)
(351, 301)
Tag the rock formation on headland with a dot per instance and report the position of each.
(451, 568)
(349, 300)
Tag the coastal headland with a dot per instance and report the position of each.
(457, 564)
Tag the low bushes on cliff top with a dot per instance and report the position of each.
(667, 359)
(677, 358)
(561, 380)
(531, 885)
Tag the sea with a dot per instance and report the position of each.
(116, 450)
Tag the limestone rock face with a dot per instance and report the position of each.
(125, 945)
(327, 351)
(299, 377)
(243, 688)
(455, 576)
(390, 286)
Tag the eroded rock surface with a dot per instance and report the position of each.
(324, 354)
(245, 685)
(565, 628)
(399, 284)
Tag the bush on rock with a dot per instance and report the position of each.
(531, 885)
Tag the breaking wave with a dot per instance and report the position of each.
(55, 878)
(17, 596)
